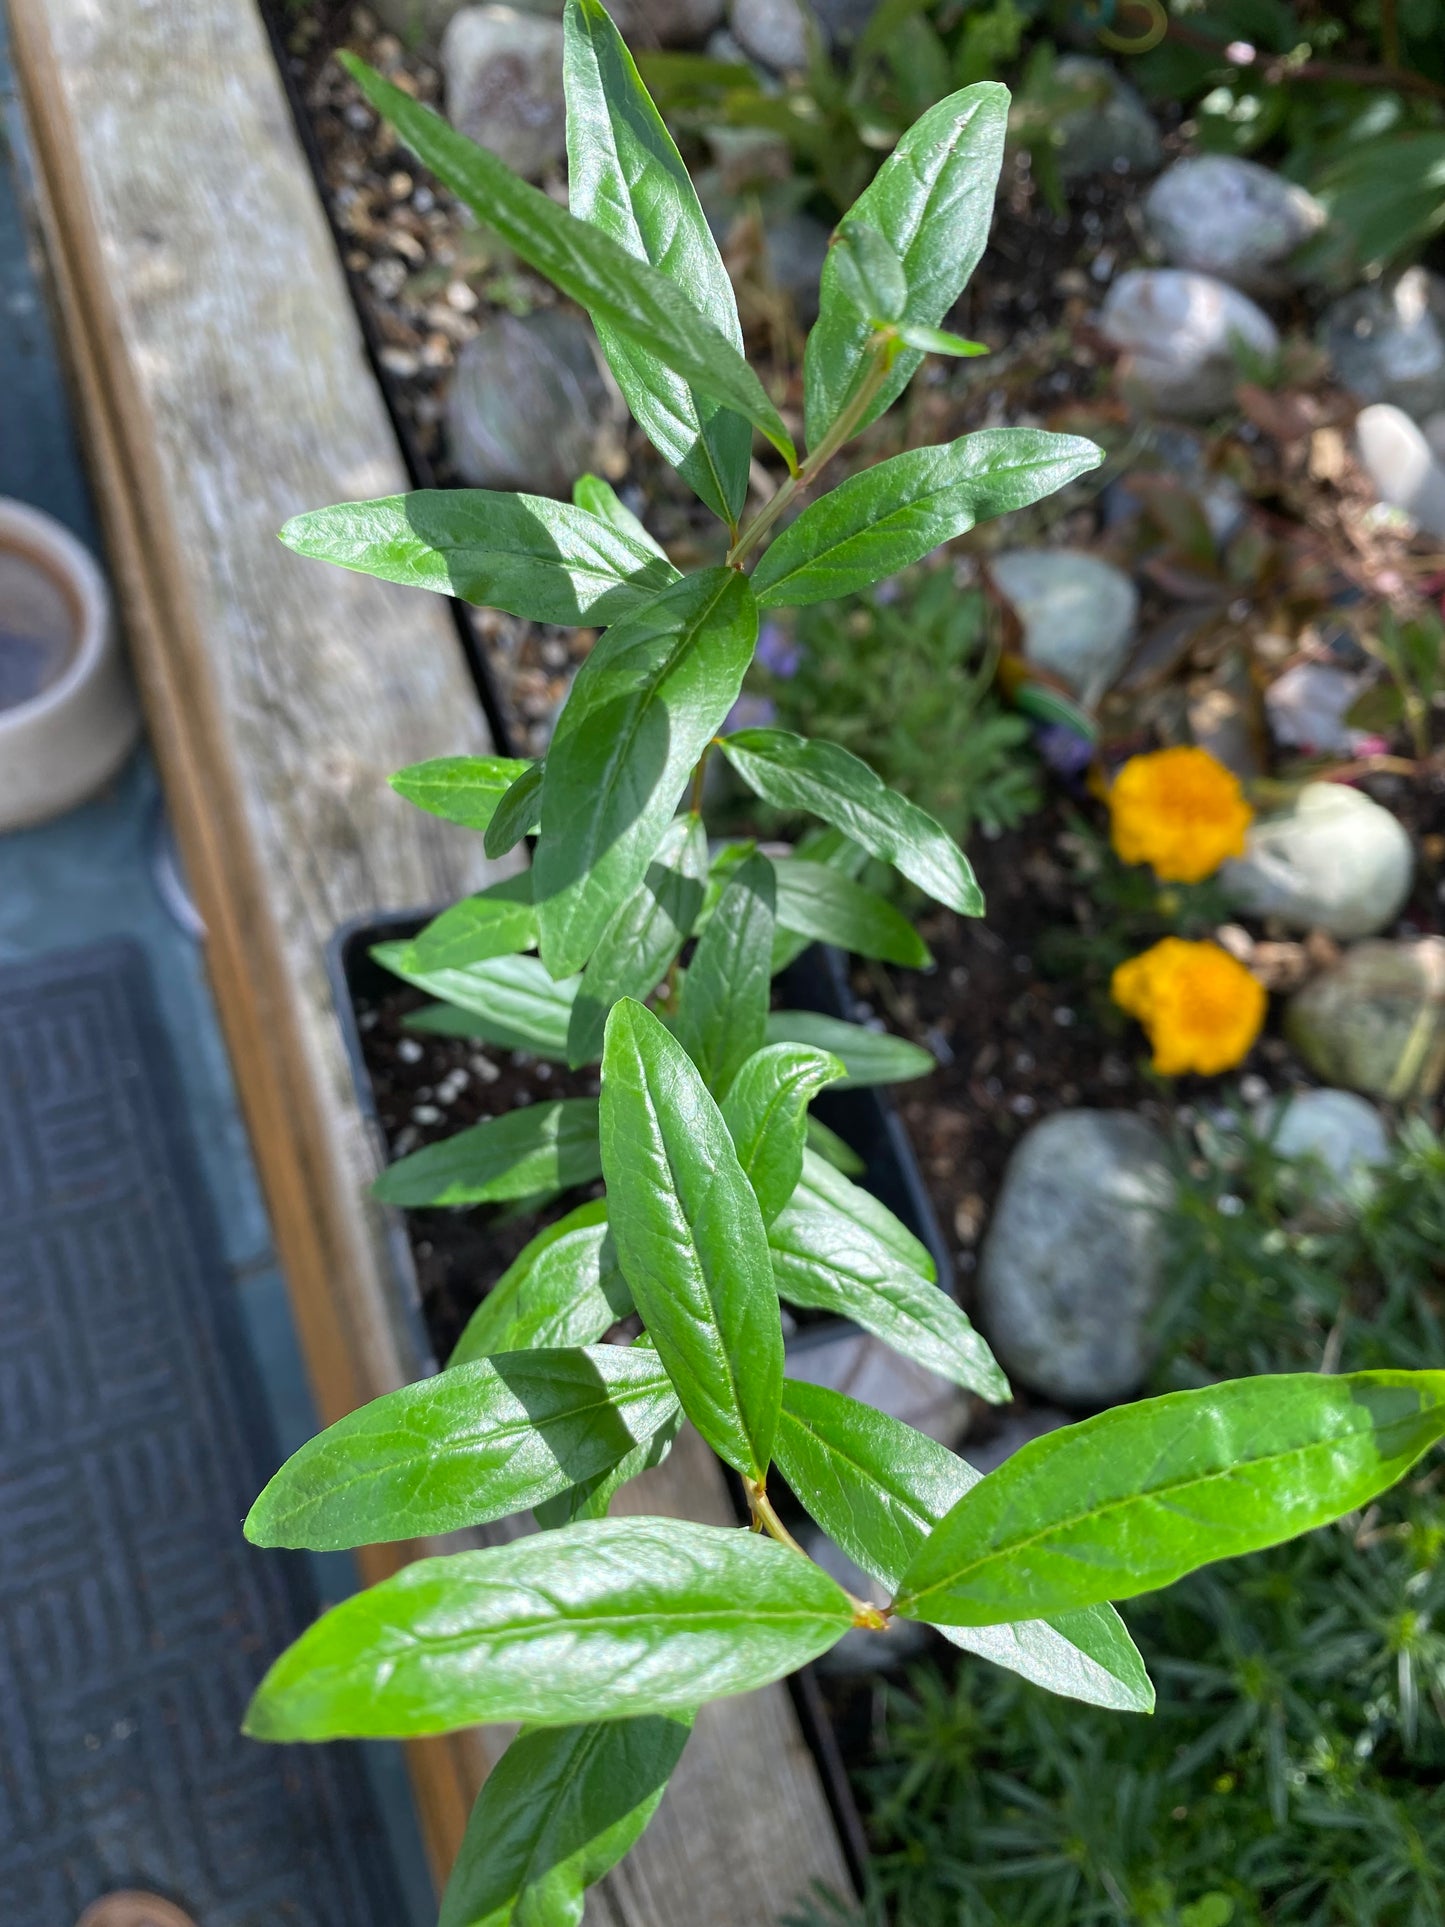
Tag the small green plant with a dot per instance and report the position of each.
(908, 680)
(604, 1635)
(1412, 650)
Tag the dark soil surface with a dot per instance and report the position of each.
(426, 1088)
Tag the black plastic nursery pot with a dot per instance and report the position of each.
(865, 1119)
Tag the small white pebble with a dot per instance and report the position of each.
(1063, 1016)
(1022, 1105)
(409, 1051)
(544, 1072)
(1229, 1205)
(425, 1114)
(484, 1068)
(407, 1139)
(367, 1020)
(1253, 1089)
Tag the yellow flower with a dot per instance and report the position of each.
(1179, 810)
(1201, 1007)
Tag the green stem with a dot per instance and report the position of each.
(765, 1519)
(883, 351)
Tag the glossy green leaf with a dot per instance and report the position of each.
(497, 922)
(932, 201)
(511, 1001)
(824, 1182)
(723, 1010)
(637, 948)
(463, 789)
(592, 1497)
(869, 271)
(618, 290)
(820, 844)
(819, 902)
(542, 560)
(824, 1261)
(878, 1488)
(564, 1289)
(798, 774)
(562, 1806)
(869, 1056)
(1140, 1495)
(690, 1238)
(627, 179)
(766, 1111)
(886, 517)
(543, 1147)
(600, 498)
(828, 1146)
(938, 341)
(517, 814)
(644, 706)
(475, 1443)
(608, 1619)
(725, 862)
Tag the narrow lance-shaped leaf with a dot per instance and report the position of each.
(497, 922)
(868, 1056)
(626, 294)
(823, 1261)
(766, 1111)
(880, 520)
(825, 845)
(628, 180)
(564, 1289)
(869, 271)
(824, 1182)
(1138, 1496)
(592, 1497)
(644, 706)
(600, 498)
(475, 1443)
(545, 1147)
(610, 1618)
(690, 1238)
(826, 1145)
(878, 1488)
(542, 560)
(817, 901)
(634, 952)
(560, 1808)
(724, 1006)
(463, 789)
(931, 201)
(517, 814)
(511, 1001)
(799, 774)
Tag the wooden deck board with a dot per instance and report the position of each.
(223, 386)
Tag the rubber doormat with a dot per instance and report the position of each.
(134, 1619)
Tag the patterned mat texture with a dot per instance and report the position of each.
(134, 1620)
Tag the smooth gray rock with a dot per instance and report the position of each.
(666, 23)
(1078, 614)
(529, 406)
(1071, 1265)
(1101, 125)
(1342, 1135)
(873, 1373)
(774, 32)
(1404, 468)
(1185, 336)
(1375, 1021)
(1225, 216)
(503, 77)
(1433, 429)
(1334, 861)
(1307, 706)
(1388, 343)
(1021, 1425)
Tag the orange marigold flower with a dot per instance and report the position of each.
(1180, 811)
(1200, 1006)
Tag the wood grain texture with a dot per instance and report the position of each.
(223, 387)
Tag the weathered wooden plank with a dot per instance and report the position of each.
(223, 387)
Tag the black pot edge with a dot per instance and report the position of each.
(820, 971)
